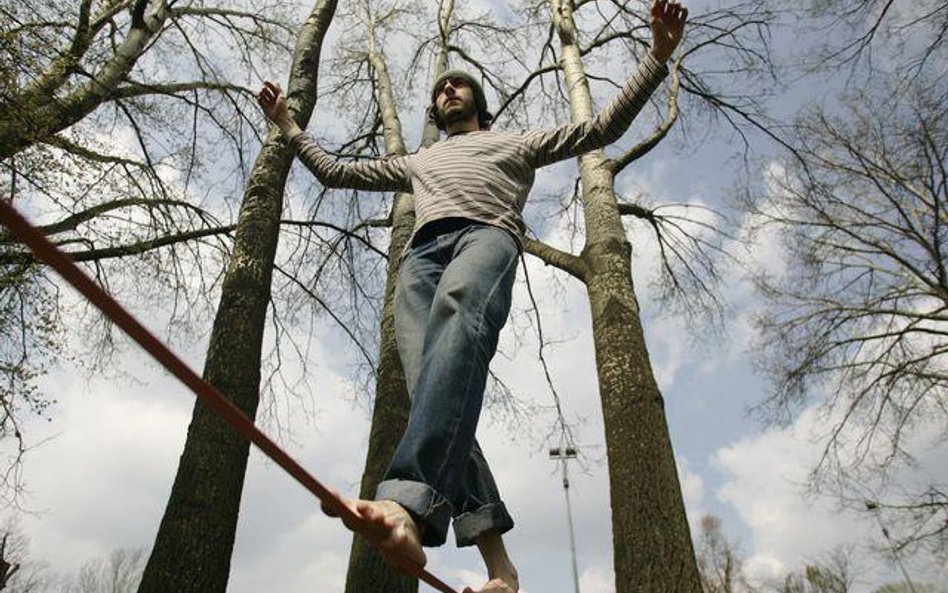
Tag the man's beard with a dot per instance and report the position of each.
(463, 112)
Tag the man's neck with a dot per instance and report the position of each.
(463, 127)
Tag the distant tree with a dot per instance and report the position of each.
(8, 567)
(722, 569)
(833, 574)
(858, 319)
(719, 561)
(19, 573)
(119, 572)
(815, 580)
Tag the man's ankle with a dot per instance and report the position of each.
(415, 520)
(508, 576)
(499, 566)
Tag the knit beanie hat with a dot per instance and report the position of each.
(480, 100)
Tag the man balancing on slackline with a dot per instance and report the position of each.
(454, 290)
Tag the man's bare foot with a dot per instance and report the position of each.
(388, 527)
(492, 586)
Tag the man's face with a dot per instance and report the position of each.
(455, 101)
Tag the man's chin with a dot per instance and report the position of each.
(452, 116)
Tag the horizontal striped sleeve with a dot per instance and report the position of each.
(383, 174)
(570, 140)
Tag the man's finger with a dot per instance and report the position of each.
(657, 9)
(272, 88)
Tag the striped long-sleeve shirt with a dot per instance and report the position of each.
(484, 175)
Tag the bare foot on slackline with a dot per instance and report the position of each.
(387, 526)
(492, 586)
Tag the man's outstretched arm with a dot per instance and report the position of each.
(372, 175)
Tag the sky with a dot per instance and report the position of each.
(103, 465)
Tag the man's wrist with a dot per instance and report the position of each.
(289, 127)
(658, 56)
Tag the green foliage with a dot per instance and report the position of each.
(29, 320)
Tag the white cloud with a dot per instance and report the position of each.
(765, 479)
(765, 249)
(766, 475)
(759, 250)
(100, 481)
(291, 557)
(597, 579)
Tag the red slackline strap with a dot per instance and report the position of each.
(230, 413)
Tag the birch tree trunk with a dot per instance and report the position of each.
(193, 547)
(367, 570)
(31, 117)
(652, 549)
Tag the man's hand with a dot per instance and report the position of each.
(273, 102)
(668, 24)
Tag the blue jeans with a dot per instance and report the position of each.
(451, 301)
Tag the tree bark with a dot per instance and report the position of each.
(652, 548)
(195, 540)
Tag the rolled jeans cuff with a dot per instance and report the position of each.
(423, 503)
(468, 527)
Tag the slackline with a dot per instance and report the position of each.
(67, 268)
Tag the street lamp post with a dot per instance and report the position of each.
(873, 507)
(563, 455)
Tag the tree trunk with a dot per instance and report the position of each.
(367, 570)
(193, 547)
(652, 549)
